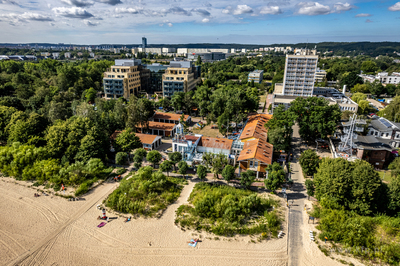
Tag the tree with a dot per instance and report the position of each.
(377, 88)
(90, 95)
(154, 157)
(177, 100)
(201, 172)
(350, 79)
(166, 166)
(93, 145)
(361, 88)
(183, 167)
(140, 152)
(358, 96)
(282, 119)
(351, 185)
(228, 173)
(5, 118)
(363, 107)
(138, 161)
(127, 140)
(309, 161)
(121, 158)
(276, 176)
(310, 187)
(198, 61)
(316, 118)
(175, 157)
(394, 195)
(139, 111)
(216, 162)
(247, 178)
(369, 67)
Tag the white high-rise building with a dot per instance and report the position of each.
(299, 75)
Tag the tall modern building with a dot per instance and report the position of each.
(144, 42)
(180, 77)
(122, 79)
(299, 75)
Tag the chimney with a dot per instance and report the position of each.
(344, 89)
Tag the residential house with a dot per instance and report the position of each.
(158, 128)
(169, 118)
(149, 142)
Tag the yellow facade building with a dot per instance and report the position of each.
(122, 79)
(180, 77)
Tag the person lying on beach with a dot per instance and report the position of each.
(127, 219)
(194, 241)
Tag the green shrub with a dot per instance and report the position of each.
(82, 189)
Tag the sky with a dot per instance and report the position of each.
(182, 21)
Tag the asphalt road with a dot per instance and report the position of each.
(296, 198)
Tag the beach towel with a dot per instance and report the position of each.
(101, 224)
(193, 244)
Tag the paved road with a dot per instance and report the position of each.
(297, 196)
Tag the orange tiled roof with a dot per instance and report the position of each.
(169, 116)
(255, 127)
(160, 126)
(258, 149)
(216, 143)
(146, 138)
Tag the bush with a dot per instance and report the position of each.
(82, 189)
(146, 193)
(121, 158)
(225, 210)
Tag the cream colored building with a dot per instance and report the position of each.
(180, 76)
(122, 79)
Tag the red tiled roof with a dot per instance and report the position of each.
(146, 138)
(257, 149)
(216, 143)
(255, 127)
(169, 116)
(160, 126)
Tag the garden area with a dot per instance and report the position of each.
(226, 211)
(146, 192)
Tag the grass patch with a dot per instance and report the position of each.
(146, 193)
(387, 177)
(225, 210)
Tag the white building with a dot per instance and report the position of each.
(182, 51)
(385, 131)
(67, 55)
(320, 75)
(299, 77)
(382, 77)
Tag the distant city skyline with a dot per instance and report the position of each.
(177, 22)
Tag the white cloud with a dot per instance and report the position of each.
(78, 3)
(202, 12)
(179, 11)
(90, 23)
(169, 24)
(129, 10)
(72, 12)
(362, 15)
(205, 20)
(242, 9)
(395, 7)
(368, 21)
(110, 2)
(270, 10)
(343, 7)
(313, 9)
(15, 19)
(10, 2)
(227, 10)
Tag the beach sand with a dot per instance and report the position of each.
(49, 230)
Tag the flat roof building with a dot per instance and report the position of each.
(256, 76)
(180, 76)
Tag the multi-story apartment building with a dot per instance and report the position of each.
(320, 75)
(122, 79)
(299, 74)
(383, 77)
(180, 76)
(256, 75)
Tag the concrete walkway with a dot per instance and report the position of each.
(296, 204)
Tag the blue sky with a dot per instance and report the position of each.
(182, 21)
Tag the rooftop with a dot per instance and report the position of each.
(160, 126)
(146, 138)
(169, 116)
(216, 143)
(255, 127)
(259, 149)
(371, 143)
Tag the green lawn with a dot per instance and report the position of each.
(387, 177)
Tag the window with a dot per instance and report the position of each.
(256, 164)
(387, 134)
(251, 164)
